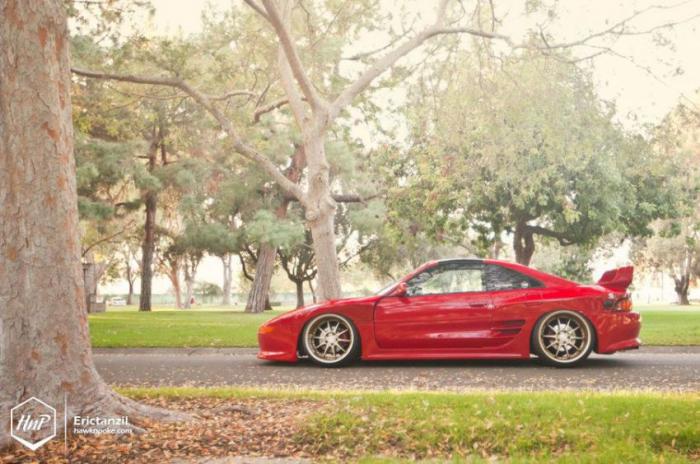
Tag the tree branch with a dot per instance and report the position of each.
(362, 55)
(287, 79)
(226, 125)
(233, 93)
(290, 52)
(107, 238)
(244, 268)
(258, 9)
(617, 28)
(388, 60)
(268, 108)
(438, 28)
(344, 198)
(560, 237)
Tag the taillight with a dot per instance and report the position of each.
(625, 304)
(617, 303)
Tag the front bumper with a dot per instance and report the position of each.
(277, 343)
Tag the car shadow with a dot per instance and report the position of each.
(591, 363)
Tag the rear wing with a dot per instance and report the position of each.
(617, 279)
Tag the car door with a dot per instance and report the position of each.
(446, 307)
(514, 295)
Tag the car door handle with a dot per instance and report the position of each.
(479, 305)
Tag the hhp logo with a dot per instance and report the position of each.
(33, 423)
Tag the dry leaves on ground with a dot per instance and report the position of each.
(222, 427)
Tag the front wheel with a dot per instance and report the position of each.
(563, 338)
(331, 340)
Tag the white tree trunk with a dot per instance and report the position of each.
(44, 341)
(227, 262)
(320, 215)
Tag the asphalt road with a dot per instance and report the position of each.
(651, 368)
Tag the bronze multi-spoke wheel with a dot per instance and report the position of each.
(330, 340)
(563, 338)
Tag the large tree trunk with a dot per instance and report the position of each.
(227, 262)
(322, 231)
(320, 214)
(258, 297)
(681, 286)
(149, 237)
(44, 341)
(523, 244)
(300, 293)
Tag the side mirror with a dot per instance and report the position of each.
(400, 290)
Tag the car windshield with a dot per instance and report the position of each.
(384, 290)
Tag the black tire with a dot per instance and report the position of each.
(312, 345)
(562, 338)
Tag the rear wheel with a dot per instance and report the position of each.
(563, 338)
(331, 340)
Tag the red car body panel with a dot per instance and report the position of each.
(471, 325)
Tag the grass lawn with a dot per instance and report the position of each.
(211, 327)
(223, 327)
(670, 325)
(481, 427)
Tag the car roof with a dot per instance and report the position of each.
(461, 260)
(547, 279)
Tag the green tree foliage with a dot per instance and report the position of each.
(570, 262)
(675, 246)
(524, 147)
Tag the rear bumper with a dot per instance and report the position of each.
(618, 331)
(624, 345)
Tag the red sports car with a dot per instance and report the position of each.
(463, 309)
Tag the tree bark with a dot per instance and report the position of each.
(189, 291)
(130, 296)
(523, 243)
(258, 298)
(320, 215)
(130, 278)
(149, 235)
(681, 286)
(44, 341)
(300, 293)
(177, 290)
(227, 262)
(191, 264)
(313, 292)
(171, 265)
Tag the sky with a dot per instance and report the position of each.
(646, 75)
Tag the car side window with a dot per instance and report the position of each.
(448, 278)
(501, 278)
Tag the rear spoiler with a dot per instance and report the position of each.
(617, 279)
